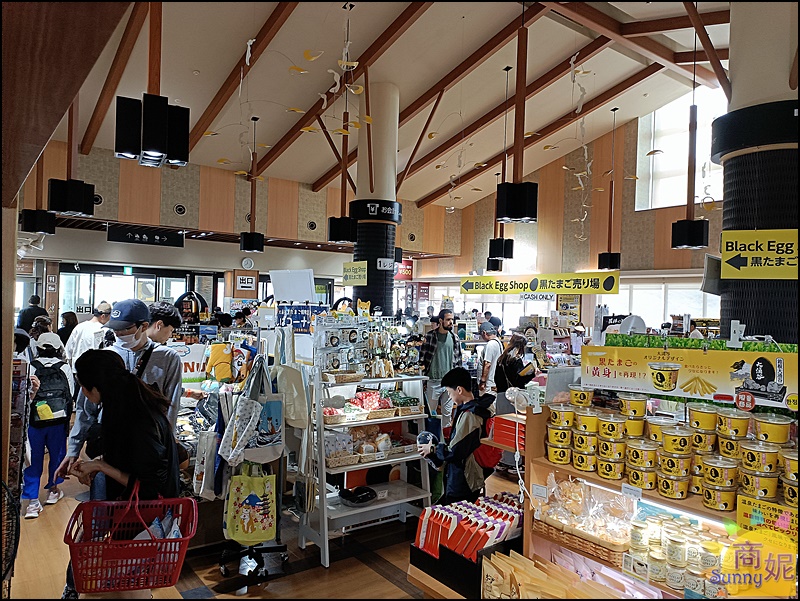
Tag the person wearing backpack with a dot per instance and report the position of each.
(48, 422)
(464, 477)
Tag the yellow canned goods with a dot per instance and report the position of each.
(772, 427)
(729, 445)
(559, 454)
(696, 486)
(720, 498)
(560, 435)
(585, 462)
(702, 416)
(611, 449)
(759, 456)
(789, 459)
(758, 484)
(562, 414)
(655, 425)
(634, 427)
(641, 477)
(704, 441)
(611, 425)
(732, 421)
(721, 471)
(580, 396)
(664, 375)
(584, 442)
(673, 487)
(632, 404)
(610, 469)
(675, 465)
(586, 419)
(677, 440)
(641, 453)
(698, 463)
(789, 491)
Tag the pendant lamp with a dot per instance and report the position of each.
(610, 260)
(494, 265)
(691, 233)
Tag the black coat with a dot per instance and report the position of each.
(507, 375)
(27, 315)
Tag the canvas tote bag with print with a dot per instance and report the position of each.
(250, 514)
(265, 443)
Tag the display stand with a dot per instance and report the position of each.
(396, 499)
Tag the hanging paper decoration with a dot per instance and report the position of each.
(312, 55)
(355, 89)
(294, 109)
(549, 147)
(224, 161)
(347, 65)
(654, 152)
(341, 132)
(366, 119)
(335, 87)
(295, 69)
(210, 133)
(249, 51)
(432, 135)
(309, 129)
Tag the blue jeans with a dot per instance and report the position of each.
(54, 438)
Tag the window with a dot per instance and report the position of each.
(75, 289)
(662, 176)
(169, 289)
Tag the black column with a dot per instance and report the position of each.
(376, 241)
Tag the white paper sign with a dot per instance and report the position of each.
(245, 282)
(539, 491)
(537, 296)
(631, 491)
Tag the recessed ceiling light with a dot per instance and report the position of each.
(195, 72)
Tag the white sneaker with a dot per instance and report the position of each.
(34, 509)
(54, 497)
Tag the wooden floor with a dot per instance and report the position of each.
(368, 563)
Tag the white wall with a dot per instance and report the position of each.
(87, 246)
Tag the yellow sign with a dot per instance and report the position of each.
(758, 514)
(759, 255)
(355, 273)
(692, 373)
(591, 282)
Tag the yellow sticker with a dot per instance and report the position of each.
(791, 401)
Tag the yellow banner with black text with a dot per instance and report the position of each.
(590, 282)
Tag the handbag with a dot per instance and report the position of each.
(250, 512)
(289, 380)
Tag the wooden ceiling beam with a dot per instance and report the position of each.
(588, 16)
(381, 44)
(553, 127)
(711, 53)
(264, 37)
(591, 49)
(467, 66)
(107, 93)
(654, 26)
(684, 58)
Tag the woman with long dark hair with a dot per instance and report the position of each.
(69, 319)
(137, 439)
(510, 364)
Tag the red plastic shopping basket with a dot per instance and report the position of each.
(106, 558)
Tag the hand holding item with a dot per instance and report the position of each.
(65, 467)
(425, 449)
(34, 385)
(85, 470)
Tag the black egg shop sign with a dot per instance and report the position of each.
(589, 282)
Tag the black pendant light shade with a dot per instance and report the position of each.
(608, 261)
(690, 233)
(517, 203)
(151, 131)
(251, 242)
(38, 221)
(342, 230)
(128, 130)
(494, 265)
(398, 254)
(155, 124)
(73, 196)
(508, 248)
(501, 248)
(178, 136)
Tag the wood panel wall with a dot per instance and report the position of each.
(664, 256)
(284, 196)
(601, 201)
(433, 229)
(464, 261)
(139, 193)
(550, 220)
(54, 157)
(217, 200)
(334, 199)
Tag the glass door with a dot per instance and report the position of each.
(169, 289)
(146, 288)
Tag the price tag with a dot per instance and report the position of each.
(631, 491)
(382, 494)
(634, 567)
(380, 455)
(745, 401)
(409, 448)
(539, 492)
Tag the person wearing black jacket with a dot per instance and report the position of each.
(138, 443)
(463, 477)
(510, 364)
(31, 312)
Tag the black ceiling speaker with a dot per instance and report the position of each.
(128, 129)
(38, 221)
(342, 230)
(251, 242)
(73, 196)
(690, 233)
(494, 265)
(608, 261)
(155, 128)
(517, 202)
(398, 254)
(178, 136)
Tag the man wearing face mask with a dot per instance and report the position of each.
(157, 365)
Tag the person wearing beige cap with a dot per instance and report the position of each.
(50, 412)
(88, 334)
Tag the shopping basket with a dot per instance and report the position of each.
(106, 558)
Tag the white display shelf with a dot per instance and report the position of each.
(375, 381)
(382, 420)
(390, 460)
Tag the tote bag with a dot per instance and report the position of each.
(289, 379)
(250, 513)
(265, 442)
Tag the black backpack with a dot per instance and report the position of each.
(53, 402)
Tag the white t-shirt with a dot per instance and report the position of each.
(86, 335)
(491, 353)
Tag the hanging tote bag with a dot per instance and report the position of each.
(203, 484)
(266, 441)
(250, 516)
(240, 429)
(289, 379)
